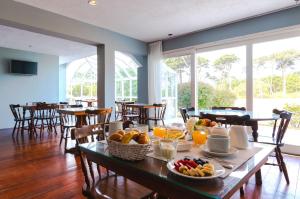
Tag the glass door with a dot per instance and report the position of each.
(276, 82)
(176, 85)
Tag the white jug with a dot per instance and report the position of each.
(238, 137)
(114, 126)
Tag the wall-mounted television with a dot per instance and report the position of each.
(23, 67)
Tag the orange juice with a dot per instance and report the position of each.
(160, 132)
(199, 137)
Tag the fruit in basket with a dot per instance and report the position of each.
(122, 132)
(116, 137)
(205, 122)
(128, 137)
(143, 138)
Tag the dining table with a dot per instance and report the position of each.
(143, 110)
(255, 117)
(154, 174)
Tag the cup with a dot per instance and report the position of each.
(156, 146)
(114, 126)
(168, 148)
(218, 143)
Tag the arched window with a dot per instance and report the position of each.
(125, 77)
(82, 78)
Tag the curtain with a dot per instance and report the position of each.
(154, 71)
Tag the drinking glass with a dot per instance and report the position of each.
(168, 148)
(199, 137)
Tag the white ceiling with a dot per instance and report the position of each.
(150, 20)
(34, 42)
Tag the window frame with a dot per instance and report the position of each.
(248, 41)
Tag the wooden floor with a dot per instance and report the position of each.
(38, 168)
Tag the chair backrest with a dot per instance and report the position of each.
(99, 116)
(285, 118)
(227, 119)
(228, 108)
(159, 111)
(16, 110)
(184, 113)
(82, 134)
(44, 110)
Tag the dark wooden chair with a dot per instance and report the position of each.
(19, 117)
(45, 115)
(67, 122)
(130, 113)
(101, 118)
(278, 133)
(110, 186)
(184, 113)
(228, 108)
(159, 114)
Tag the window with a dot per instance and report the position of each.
(125, 77)
(221, 77)
(276, 81)
(82, 78)
(176, 84)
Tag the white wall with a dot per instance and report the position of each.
(18, 89)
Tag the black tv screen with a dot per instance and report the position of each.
(23, 67)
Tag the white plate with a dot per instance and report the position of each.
(219, 170)
(230, 152)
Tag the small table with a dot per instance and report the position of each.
(255, 117)
(142, 110)
(153, 174)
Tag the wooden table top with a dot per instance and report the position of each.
(257, 116)
(76, 111)
(140, 105)
(154, 174)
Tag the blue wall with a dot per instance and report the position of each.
(271, 21)
(19, 89)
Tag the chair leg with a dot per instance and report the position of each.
(242, 192)
(61, 135)
(66, 138)
(14, 128)
(163, 122)
(278, 159)
(285, 172)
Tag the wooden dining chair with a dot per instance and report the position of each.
(279, 130)
(20, 118)
(110, 186)
(67, 122)
(130, 113)
(184, 113)
(234, 108)
(101, 118)
(159, 114)
(45, 117)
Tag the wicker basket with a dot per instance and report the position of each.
(128, 151)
